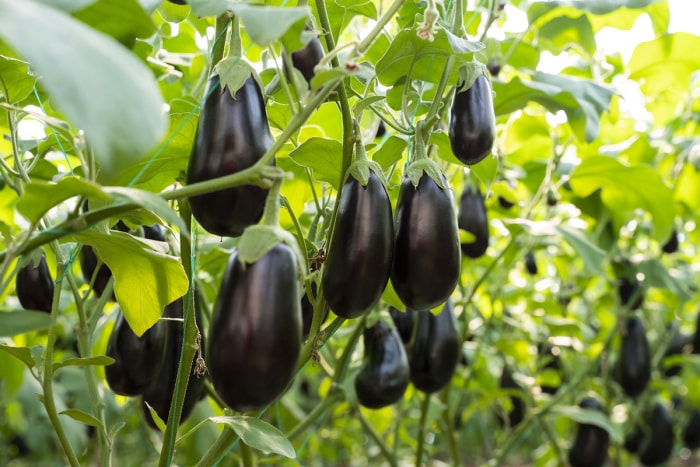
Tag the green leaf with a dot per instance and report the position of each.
(16, 83)
(83, 70)
(156, 418)
(591, 417)
(390, 152)
(625, 189)
(428, 59)
(209, 7)
(657, 275)
(122, 20)
(258, 434)
(81, 417)
(41, 196)
(145, 281)
(341, 12)
(362, 104)
(151, 202)
(265, 24)
(582, 101)
(13, 323)
(560, 33)
(688, 187)
(11, 374)
(323, 156)
(98, 360)
(23, 354)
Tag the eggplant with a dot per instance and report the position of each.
(256, 330)
(358, 264)
(691, 431)
(517, 412)
(473, 122)
(435, 351)
(426, 265)
(472, 218)
(35, 286)
(384, 375)
(137, 360)
(680, 344)
(306, 59)
(307, 309)
(630, 288)
(590, 447)
(634, 360)
(232, 135)
(404, 322)
(530, 263)
(159, 394)
(658, 443)
(671, 245)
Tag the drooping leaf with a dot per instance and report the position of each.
(625, 189)
(41, 196)
(98, 360)
(13, 323)
(323, 156)
(145, 281)
(84, 72)
(150, 201)
(258, 434)
(23, 354)
(82, 417)
(591, 417)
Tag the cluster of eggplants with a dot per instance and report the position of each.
(136, 359)
(426, 265)
(590, 446)
(384, 375)
(359, 257)
(472, 218)
(159, 394)
(435, 349)
(232, 134)
(633, 370)
(473, 123)
(35, 286)
(255, 336)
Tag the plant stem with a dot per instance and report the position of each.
(314, 415)
(219, 449)
(48, 396)
(271, 214)
(421, 430)
(217, 52)
(379, 25)
(377, 439)
(247, 455)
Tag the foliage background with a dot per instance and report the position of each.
(597, 149)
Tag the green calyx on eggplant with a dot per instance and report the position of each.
(657, 445)
(358, 264)
(35, 286)
(633, 369)
(384, 375)
(404, 321)
(426, 264)
(255, 336)
(517, 411)
(590, 447)
(473, 122)
(472, 218)
(232, 135)
(159, 394)
(137, 360)
(435, 351)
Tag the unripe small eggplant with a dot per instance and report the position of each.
(590, 447)
(472, 218)
(306, 59)
(531, 263)
(435, 351)
(35, 287)
(633, 369)
(384, 376)
(473, 122)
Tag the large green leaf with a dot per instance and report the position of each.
(258, 434)
(591, 417)
(426, 58)
(341, 12)
(99, 85)
(145, 281)
(39, 196)
(16, 82)
(626, 189)
(582, 101)
(562, 32)
(122, 20)
(323, 156)
(13, 323)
